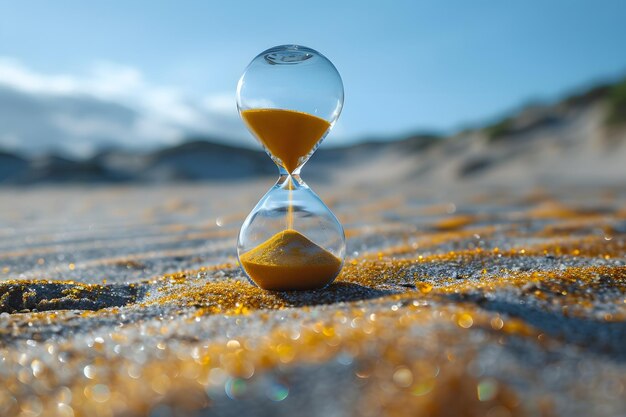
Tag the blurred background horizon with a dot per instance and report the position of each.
(444, 91)
(76, 78)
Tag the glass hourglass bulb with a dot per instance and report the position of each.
(289, 97)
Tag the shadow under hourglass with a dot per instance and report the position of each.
(334, 293)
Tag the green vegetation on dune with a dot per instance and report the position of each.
(500, 129)
(598, 92)
(616, 101)
(614, 95)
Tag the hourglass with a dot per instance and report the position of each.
(290, 97)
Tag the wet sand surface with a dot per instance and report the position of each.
(453, 301)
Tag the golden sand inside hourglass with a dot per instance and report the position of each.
(290, 261)
(289, 135)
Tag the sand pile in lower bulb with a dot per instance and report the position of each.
(290, 261)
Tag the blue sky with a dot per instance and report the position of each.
(406, 65)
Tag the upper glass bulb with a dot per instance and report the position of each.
(290, 96)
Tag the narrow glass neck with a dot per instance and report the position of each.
(282, 171)
(292, 181)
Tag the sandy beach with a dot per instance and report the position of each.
(460, 301)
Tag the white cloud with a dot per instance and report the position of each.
(224, 104)
(110, 105)
(14, 74)
(10, 141)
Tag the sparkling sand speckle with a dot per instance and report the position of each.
(124, 301)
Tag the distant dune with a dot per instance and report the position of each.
(581, 139)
